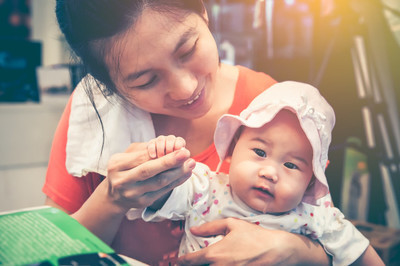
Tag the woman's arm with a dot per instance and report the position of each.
(245, 243)
(101, 217)
(159, 147)
(369, 258)
(133, 181)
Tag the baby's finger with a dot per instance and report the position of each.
(179, 143)
(170, 143)
(151, 149)
(160, 146)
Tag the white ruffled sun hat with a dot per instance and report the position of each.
(315, 115)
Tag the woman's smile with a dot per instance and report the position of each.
(195, 102)
(194, 99)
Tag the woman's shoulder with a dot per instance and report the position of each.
(253, 79)
(250, 83)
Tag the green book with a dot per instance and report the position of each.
(49, 236)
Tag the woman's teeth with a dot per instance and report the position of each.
(194, 99)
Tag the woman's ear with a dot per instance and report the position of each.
(205, 15)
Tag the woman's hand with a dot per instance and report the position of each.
(134, 180)
(147, 171)
(245, 244)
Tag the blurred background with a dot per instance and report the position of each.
(349, 49)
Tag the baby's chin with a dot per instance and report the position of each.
(273, 211)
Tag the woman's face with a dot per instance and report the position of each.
(166, 65)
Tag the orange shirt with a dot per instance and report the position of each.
(147, 242)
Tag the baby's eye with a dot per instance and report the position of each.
(260, 153)
(291, 165)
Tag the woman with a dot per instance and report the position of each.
(157, 64)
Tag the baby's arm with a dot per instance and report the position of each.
(342, 239)
(158, 147)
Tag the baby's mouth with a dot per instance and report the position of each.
(265, 191)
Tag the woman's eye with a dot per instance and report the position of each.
(260, 153)
(147, 84)
(187, 54)
(291, 165)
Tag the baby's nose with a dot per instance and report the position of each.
(269, 172)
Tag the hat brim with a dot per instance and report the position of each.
(229, 124)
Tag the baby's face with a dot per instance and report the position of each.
(271, 166)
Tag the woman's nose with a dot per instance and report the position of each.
(182, 85)
(269, 172)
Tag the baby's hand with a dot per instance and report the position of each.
(163, 145)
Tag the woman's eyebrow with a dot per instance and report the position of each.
(184, 38)
(135, 75)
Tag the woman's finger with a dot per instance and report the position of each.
(127, 160)
(195, 258)
(216, 227)
(240, 244)
(136, 146)
(136, 154)
(143, 193)
(150, 197)
(204, 256)
(154, 167)
(168, 179)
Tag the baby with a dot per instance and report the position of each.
(278, 151)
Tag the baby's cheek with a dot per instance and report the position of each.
(291, 196)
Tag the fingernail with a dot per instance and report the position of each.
(181, 143)
(191, 163)
(152, 155)
(182, 154)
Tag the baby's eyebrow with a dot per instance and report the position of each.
(301, 159)
(257, 139)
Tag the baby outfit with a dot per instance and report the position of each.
(206, 196)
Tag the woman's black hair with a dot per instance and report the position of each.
(89, 25)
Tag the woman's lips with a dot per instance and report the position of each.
(194, 102)
(194, 99)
